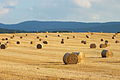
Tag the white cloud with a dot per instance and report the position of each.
(95, 17)
(6, 6)
(83, 3)
(4, 11)
(31, 9)
(11, 3)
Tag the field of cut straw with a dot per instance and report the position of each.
(21, 60)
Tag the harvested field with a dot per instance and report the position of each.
(26, 62)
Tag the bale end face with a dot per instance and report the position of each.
(3, 46)
(103, 45)
(39, 46)
(45, 42)
(102, 40)
(31, 42)
(92, 45)
(106, 53)
(70, 58)
(117, 41)
(17, 42)
(62, 42)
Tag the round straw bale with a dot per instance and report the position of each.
(70, 58)
(58, 35)
(73, 36)
(21, 37)
(82, 41)
(93, 45)
(40, 39)
(87, 36)
(3, 46)
(62, 42)
(116, 33)
(26, 35)
(6, 38)
(80, 55)
(117, 41)
(113, 37)
(106, 41)
(11, 37)
(7, 42)
(92, 33)
(67, 37)
(103, 46)
(106, 53)
(85, 42)
(3, 39)
(31, 42)
(46, 36)
(17, 42)
(102, 39)
(39, 46)
(45, 42)
(37, 37)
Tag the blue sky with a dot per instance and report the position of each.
(15, 11)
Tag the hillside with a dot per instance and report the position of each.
(63, 26)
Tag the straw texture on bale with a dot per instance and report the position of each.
(106, 41)
(117, 41)
(46, 36)
(39, 46)
(3, 39)
(62, 42)
(85, 42)
(92, 33)
(103, 46)
(102, 40)
(87, 36)
(67, 37)
(82, 41)
(113, 37)
(58, 35)
(80, 55)
(6, 38)
(21, 37)
(70, 58)
(106, 53)
(40, 39)
(73, 36)
(93, 45)
(37, 37)
(31, 42)
(17, 42)
(45, 42)
(3, 46)
(11, 37)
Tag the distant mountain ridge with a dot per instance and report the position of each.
(63, 26)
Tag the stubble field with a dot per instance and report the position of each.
(25, 62)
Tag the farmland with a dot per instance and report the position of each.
(25, 62)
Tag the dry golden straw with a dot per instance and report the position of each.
(106, 53)
(70, 58)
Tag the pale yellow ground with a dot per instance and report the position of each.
(25, 62)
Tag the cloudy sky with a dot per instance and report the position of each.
(15, 11)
